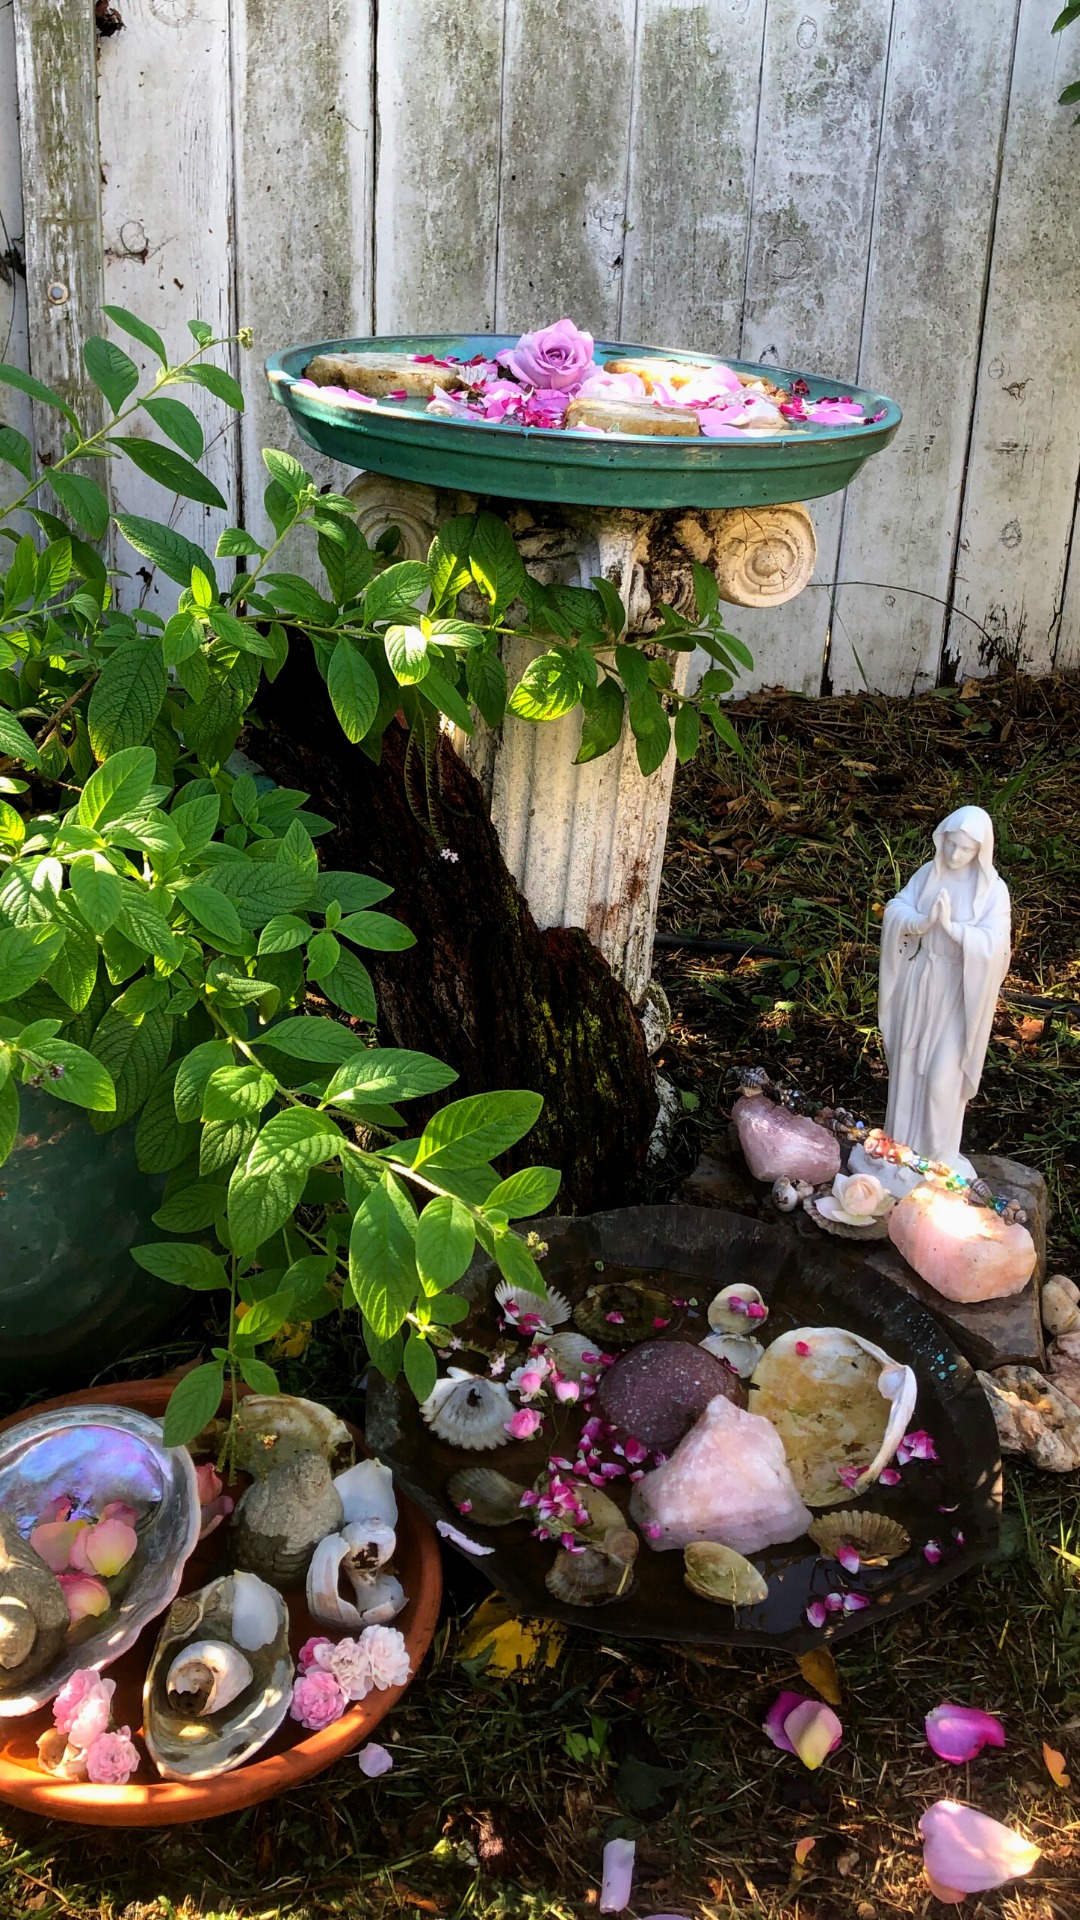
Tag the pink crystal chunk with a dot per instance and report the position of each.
(775, 1143)
(966, 1252)
(728, 1481)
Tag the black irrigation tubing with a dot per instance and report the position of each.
(748, 950)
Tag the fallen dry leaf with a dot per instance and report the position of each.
(818, 1669)
(516, 1645)
(1055, 1765)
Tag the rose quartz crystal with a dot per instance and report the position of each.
(775, 1142)
(727, 1481)
(966, 1252)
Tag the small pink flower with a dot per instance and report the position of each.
(111, 1759)
(317, 1700)
(567, 1390)
(349, 1663)
(72, 1694)
(932, 1552)
(916, 1446)
(530, 1381)
(849, 1476)
(612, 386)
(388, 1656)
(374, 1760)
(523, 1423)
(310, 1653)
(957, 1734)
(92, 1715)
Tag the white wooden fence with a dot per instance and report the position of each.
(876, 189)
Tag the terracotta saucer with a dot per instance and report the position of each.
(290, 1758)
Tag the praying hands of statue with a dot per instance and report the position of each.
(940, 915)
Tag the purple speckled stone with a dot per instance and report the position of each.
(656, 1392)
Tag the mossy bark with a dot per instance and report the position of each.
(506, 1004)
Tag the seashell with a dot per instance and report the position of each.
(280, 1520)
(739, 1350)
(274, 1429)
(489, 1498)
(567, 1352)
(836, 1401)
(726, 1317)
(718, 1573)
(1060, 1308)
(544, 1313)
(635, 1308)
(356, 1558)
(207, 1677)
(600, 1574)
(366, 1492)
(875, 1537)
(187, 1742)
(94, 1457)
(469, 1411)
(786, 1196)
(33, 1611)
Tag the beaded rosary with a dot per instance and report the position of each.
(875, 1141)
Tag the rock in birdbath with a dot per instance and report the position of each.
(965, 1252)
(1034, 1417)
(1061, 1305)
(776, 1142)
(729, 1481)
(1063, 1366)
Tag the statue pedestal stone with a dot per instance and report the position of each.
(586, 844)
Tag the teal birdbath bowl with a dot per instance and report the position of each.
(401, 439)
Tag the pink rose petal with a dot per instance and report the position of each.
(618, 1875)
(814, 1731)
(776, 1718)
(957, 1734)
(965, 1851)
(374, 1760)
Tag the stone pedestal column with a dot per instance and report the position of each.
(586, 844)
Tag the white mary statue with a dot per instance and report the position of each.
(945, 949)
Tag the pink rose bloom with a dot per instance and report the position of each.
(314, 1652)
(612, 386)
(317, 1700)
(836, 413)
(349, 1663)
(215, 1506)
(387, 1655)
(111, 1759)
(545, 409)
(523, 1423)
(558, 356)
(72, 1694)
(92, 1715)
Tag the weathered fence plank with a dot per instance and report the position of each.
(165, 121)
(943, 122)
(1025, 447)
(14, 346)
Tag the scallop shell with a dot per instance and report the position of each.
(637, 1309)
(723, 1317)
(597, 1575)
(469, 1411)
(207, 1677)
(281, 1519)
(186, 1745)
(718, 1573)
(358, 1558)
(839, 1402)
(876, 1537)
(550, 1312)
(489, 1498)
(274, 1429)
(567, 1351)
(740, 1351)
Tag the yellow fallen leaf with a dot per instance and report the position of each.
(516, 1644)
(803, 1850)
(1055, 1765)
(818, 1669)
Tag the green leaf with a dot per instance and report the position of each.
(97, 893)
(83, 499)
(183, 1264)
(706, 591)
(313, 1037)
(614, 611)
(393, 594)
(191, 1207)
(1070, 95)
(448, 559)
(284, 932)
(1068, 14)
(128, 695)
(164, 548)
(223, 1143)
(16, 450)
(130, 324)
(142, 922)
(601, 727)
(84, 1082)
(171, 470)
(178, 422)
(376, 931)
(407, 652)
(9, 1117)
(495, 563)
(117, 788)
(633, 665)
(687, 732)
(15, 742)
(212, 910)
(652, 730)
(353, 689)
(723, 728)
(421, 1367)
(485, 677)
(257, 1375)
(530, 1191)
(234, 542)
(111, 370)
(349, 987)
(352, 891)
(25, 955)
(237, 1090)
(445, 1238)
(548, 688)
(161, 1141)
(516, 1263)
(133, 1053)
(382, 1264)
(323, 955)
(447, 699)
(286, 470)
(388, 1073)
(476, 1129)
(74, 970)
(215, 380)
(25, 383)
(263, 890)
(195, 821)
(266, 1188)
(194, 1402)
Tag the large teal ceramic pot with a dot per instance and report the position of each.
(73, 1205)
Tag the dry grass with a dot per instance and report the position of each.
(486, 1813)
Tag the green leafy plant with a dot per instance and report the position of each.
(1065, 18)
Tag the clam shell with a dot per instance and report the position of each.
(550, 1312)
(724, 1319)
(281, 1519)
(840, 1402)
(274, 1429)
(469, 1411)
(739, 1350)
(602, 1573)
(91, 1455)
(366, 1492)
(567, 1352)
(876, 1537)
(207, 1677)
(489, 1498)
(191, 1746)
(636, 1306)
(718, 1573)
(356, 1559)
